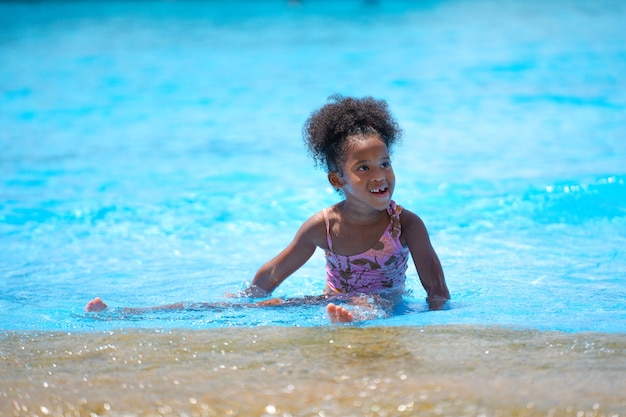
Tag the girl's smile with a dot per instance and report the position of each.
(383, 191)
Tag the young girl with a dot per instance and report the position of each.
(367, 237)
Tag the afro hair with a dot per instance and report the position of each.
(327, 129)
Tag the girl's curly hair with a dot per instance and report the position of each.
(326, 130)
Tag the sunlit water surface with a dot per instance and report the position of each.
(150, 152)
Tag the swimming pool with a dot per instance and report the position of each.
(151, 153)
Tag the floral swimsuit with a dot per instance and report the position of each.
(379, 268)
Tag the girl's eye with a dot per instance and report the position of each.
(386, 164)
(363, 168)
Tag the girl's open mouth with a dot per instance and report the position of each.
(379, 191)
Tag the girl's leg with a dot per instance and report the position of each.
(97, 305)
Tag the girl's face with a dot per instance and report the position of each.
(366, 176)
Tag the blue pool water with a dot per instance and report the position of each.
(150, 152)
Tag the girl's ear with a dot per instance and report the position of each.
(335, 180)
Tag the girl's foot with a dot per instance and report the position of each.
(96, 305)
(338, 314)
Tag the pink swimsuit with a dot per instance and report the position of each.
(379, 268)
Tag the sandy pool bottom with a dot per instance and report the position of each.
(321, 371)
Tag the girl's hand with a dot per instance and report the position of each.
(252, 291)
(436, 302)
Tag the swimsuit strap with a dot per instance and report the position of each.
(328, 239)
(395, 228)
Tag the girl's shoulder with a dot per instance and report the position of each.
(409, 219)
(407, 216)
(314, 228)
(411, 225)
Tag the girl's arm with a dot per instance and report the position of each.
(426, 260)
(300, 250)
